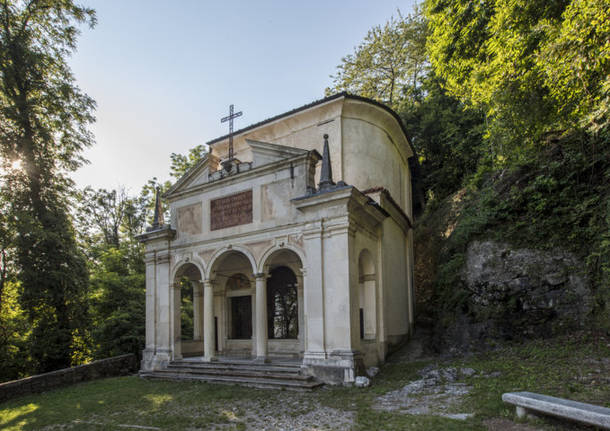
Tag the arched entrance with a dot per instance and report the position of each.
(188, 308)
(232, 278)
(284, 303)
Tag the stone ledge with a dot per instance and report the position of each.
(108, 367)
(558, 407)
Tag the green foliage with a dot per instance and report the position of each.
(533, 66)
(447, 135)
(14, 333)
(181, 163)
(108, 223)
(147, 195)
(109, 218)
(575, 60)
(186, 309)
(43, 129)
(560, 199)
(572, 367)
(391, 66)
(118, 303)
(388, 64)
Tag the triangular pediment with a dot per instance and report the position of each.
(195, 176)
(262, 153)
(265, 152)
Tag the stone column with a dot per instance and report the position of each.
(159, 341)
(301, 311)
(164, 323)
(208, 316)
(261, 317)
(176, 306)
(197, 310)
(151, 310)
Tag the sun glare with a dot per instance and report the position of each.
(16, 165)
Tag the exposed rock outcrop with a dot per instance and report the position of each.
(517, 293)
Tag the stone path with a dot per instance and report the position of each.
(292, 412)
(436, 393)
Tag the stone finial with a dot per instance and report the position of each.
(158, 221)
(326, 176)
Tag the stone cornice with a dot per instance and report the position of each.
(243, 176)
(386, 201)
(166, 232)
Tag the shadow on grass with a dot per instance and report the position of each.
(120, 400)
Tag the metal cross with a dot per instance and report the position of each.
(230, 118)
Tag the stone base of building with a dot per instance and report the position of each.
(154, 360)
(335, 368)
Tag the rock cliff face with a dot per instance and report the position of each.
(517, 293)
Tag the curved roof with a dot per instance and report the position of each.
(315, 103)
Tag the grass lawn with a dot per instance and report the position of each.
(575, 367)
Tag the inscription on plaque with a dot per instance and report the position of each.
(231, 210)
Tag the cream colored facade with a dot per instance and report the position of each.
(279, 267)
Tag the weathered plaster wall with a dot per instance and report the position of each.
(395, 277)
(304, 131)
(371, 160)
(271, 195)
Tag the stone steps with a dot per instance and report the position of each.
(245, 365)
(274, 376)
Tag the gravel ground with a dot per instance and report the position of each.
(290, 411)
(436, 393)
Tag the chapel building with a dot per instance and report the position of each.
(298, 246)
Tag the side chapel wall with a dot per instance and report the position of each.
(395, 281)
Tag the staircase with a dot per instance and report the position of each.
(276, 375)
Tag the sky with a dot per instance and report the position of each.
(163, 73)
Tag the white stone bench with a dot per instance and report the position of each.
(558, 407)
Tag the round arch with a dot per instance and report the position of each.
(182, 263)
(366, 263)
(220, 254)
(264, 261)
(367, 295)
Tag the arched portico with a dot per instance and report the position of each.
(230, 286)
(222, 254)
(186, 301)
(281, 328)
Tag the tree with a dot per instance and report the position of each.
(533, 66)
(107, 218)
(388, 64)
(576, 63)
(391, 66)
(118, 304)
(181, 163)
(43, 128)
(448, 137)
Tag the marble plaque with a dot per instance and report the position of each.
(190, 219)
(231, 210)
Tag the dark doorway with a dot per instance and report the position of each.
(241, 317)
(282, 304)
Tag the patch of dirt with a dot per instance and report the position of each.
(291, 412)
(417, 349)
